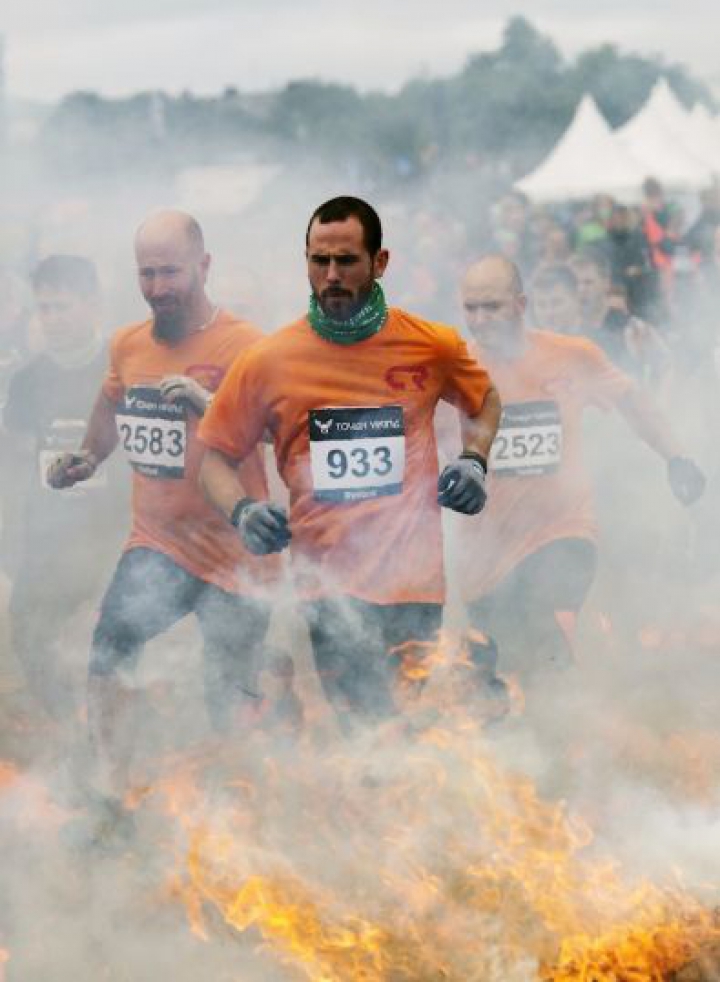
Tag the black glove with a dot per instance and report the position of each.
(686, 479)
(262, 525)
(461, 485)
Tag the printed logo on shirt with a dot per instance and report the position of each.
(404, 378)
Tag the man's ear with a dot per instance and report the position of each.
(380, 262)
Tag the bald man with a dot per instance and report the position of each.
(528, 562)
(178, 558)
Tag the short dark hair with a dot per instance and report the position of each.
(557, 274)
(651, 185)
(73, 273)
(344, 207)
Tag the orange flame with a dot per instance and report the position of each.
(427, 864)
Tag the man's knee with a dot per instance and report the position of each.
(116, 641)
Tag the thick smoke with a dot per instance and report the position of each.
(383, 826)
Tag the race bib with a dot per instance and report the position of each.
(357, 453)
(529, 441)
(153, 433)
(65, 436)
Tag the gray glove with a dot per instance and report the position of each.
(263, 526)
(686, 479)
(69, 469)
(182, 388)
(461, 485)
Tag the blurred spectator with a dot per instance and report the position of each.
(432, 255)
(512, 235)
(700, 238)
(657, 224)
(629, 256)
(554, 300)
(592, 222)
(554, 246)
(662, 238)
(632, 343)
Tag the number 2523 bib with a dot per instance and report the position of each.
(529, 441)
(153, 433)
(357, 453)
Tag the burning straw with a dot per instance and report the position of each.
(422, 860)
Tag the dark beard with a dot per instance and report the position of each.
(169, 326)
(353, 308)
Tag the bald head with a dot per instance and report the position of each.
(171, 226)
(172, 270)
(494, 303)
(497, 270)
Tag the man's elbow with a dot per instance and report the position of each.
(492, 406)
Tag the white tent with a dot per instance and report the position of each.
(659, 137)
(586, 160)
(705, 132)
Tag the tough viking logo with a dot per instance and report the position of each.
(404, 377)
(324, 427)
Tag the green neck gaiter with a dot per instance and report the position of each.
(366, 322)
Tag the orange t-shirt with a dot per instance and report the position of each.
(538, 489)
(169, 511)
(353, 433)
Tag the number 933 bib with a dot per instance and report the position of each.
(357, 453)
(153, 433)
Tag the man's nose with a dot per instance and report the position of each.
(333, 272)
(478, 317)
(155, 286)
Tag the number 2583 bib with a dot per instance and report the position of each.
(357, 453)
(153, 433)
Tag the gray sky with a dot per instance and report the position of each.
(121, 46)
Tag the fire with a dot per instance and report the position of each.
(419, 858)
(8, 774)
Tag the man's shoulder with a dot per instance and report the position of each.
(291, 336)
(563, 346)
(131, 334)
(421, 328)
(237, 330)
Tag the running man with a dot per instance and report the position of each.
(57, 546)
(526, 566)
(348, 393)
(178, 558)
